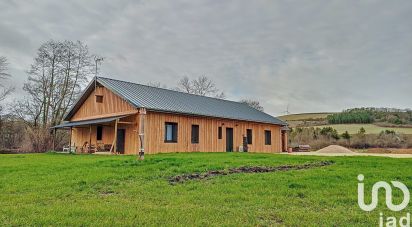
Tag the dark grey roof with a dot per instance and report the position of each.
(165, 100)
(87, 122)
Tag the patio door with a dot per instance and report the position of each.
(121, 134)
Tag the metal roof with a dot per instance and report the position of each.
(165, 100)
(87, 122)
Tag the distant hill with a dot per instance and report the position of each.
(305, 117)
(374, 120)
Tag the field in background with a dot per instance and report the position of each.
(319, 120)
(304, 116)
(370, 128)
(84, 190)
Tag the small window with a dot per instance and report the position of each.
(268, 137)
(170, 132)
(249, 136)
(219, 133)
(195, 133)
(99, 98)
(99, 133)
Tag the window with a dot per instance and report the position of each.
(249, 136)
(268, 137)
(99, 133)
(219, 133)
(195, 133)
(99, 98)
(170, 132)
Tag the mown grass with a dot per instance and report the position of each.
(92, 190)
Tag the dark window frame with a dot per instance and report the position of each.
(99, 133)
(99, 98)
(174, 126)
(195, 134)
(219, 133)
(268, 137)
(249, 135)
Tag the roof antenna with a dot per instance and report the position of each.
(98, 61)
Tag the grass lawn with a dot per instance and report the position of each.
(74, 190)
(370, 128)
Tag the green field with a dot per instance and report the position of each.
(304, 116)
(93, 190)
(370, 128)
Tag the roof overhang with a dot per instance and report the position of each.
(87, 122)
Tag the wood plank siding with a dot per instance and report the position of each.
(111, 104)
(208, 134)
(154, 127)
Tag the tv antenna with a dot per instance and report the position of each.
(98, 61)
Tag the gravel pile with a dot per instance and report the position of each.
(335, 149)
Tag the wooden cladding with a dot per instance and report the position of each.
(110, 104)
(209, 132)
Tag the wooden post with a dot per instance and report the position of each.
(70, 140)
(114, 145)
(142, 114)
(90, 139)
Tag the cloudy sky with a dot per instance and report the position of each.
(311, 55)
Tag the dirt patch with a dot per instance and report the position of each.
(335, 149)
(245, 169)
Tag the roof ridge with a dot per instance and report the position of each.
(176, 91)
(237, 110)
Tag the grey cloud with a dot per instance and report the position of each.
(312, 55)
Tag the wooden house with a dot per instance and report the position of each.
(122, 117)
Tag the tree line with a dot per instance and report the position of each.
(372, 115)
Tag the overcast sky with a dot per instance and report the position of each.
(313, 55)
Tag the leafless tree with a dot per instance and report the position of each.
(252, 103)
(3, 68)
(201, 86)
(55, 80)
(5, 91)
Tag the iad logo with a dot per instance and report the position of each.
(388, 190)
(389, 221)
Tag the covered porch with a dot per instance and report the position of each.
(110, 135)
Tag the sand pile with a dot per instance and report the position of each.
(335, 149)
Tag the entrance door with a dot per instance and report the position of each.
(229, 139)
(120, 140)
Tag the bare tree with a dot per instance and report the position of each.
(252, 103)
(3, 76)
(3, 68)
(55, 80)
(201, 86)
